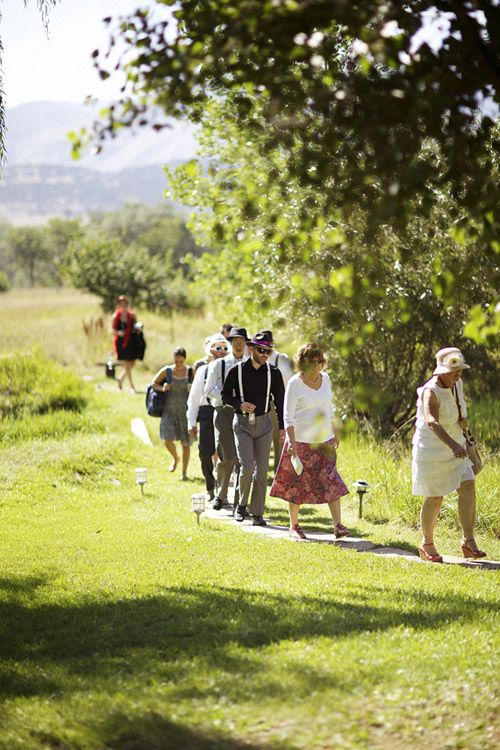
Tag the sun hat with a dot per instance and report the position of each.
(262, 339)
(236, 332)
(450, 359)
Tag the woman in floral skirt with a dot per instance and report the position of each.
(312, 436)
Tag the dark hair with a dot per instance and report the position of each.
(308, 351)
(225, 328)
(180, 352)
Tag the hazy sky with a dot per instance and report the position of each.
(58, 68)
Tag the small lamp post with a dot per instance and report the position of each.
(361, 487)
(198, 505)
(141, 477)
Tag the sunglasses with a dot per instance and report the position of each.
(261, 350)
(221, 348)
(316, 361)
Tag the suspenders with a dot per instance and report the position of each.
(240, 384)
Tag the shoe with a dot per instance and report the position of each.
(429, 558)
(340, 530)
(468, 552)
(240, 513)
(259, 521)
(296, 532)
(217, 503)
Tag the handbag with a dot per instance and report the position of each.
(156, 400)
(470, 443)
(473, 452)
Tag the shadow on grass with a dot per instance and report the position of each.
(221, 627)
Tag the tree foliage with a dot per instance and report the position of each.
(381, 305)
(355, 85)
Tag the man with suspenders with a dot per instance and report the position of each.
(248, 388)
(199, 409)
(223, 415)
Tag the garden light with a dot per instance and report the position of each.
(141, 477)
(198, 504)
(361, 487)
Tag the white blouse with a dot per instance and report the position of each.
(309, 411)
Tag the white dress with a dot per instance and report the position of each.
(435, 470)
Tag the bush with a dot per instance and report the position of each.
(4, 282)
(33, 384)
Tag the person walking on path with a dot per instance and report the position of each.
(176, 380)
(199, 409)
(311, 437)
(282, 362)
(223, 416)
(248, 388)
(440, 463)
(122, 329)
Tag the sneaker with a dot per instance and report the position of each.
(259, 521)
(296, 532)
(217, 504)
(240, 513)
(341, 530)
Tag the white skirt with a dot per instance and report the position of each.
(434, 475)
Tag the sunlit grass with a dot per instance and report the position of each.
(124, 625)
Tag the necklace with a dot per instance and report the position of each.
(312, 383)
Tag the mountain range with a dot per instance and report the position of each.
(40, 180)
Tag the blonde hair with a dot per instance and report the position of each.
(306, 352)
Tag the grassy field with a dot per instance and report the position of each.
(125, 626)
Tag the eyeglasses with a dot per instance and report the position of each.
(316, 361)
(261, 350)
(221, 348)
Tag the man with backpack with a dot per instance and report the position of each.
(199, 409)
(223, 414)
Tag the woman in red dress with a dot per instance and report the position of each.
(122, 329)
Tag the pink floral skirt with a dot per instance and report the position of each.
(319, 482)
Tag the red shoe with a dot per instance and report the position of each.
(429, 558)
(340, 530)
(296, 532)
(468, 552)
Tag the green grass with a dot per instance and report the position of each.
(125, 626)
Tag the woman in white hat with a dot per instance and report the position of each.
(440, 463)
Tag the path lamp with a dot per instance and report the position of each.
(361, 487)
(198, 505)
(141, 477)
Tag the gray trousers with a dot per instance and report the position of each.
(225, 447)
(253, 445)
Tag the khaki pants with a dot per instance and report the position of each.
(225, 447)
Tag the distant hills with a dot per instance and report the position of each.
(40, 180)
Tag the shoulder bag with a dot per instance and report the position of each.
(157, 400)
(470, 443)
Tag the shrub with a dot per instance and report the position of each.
(4, 282)
(30, 383)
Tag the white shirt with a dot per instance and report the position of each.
(310, 412)
(196, 396)
(213, 386)
(284, 365)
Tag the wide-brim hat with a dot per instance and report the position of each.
(262, 339)
(450, 359)
(236, 332)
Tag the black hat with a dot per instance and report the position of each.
(262, 339)
(238, 332)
